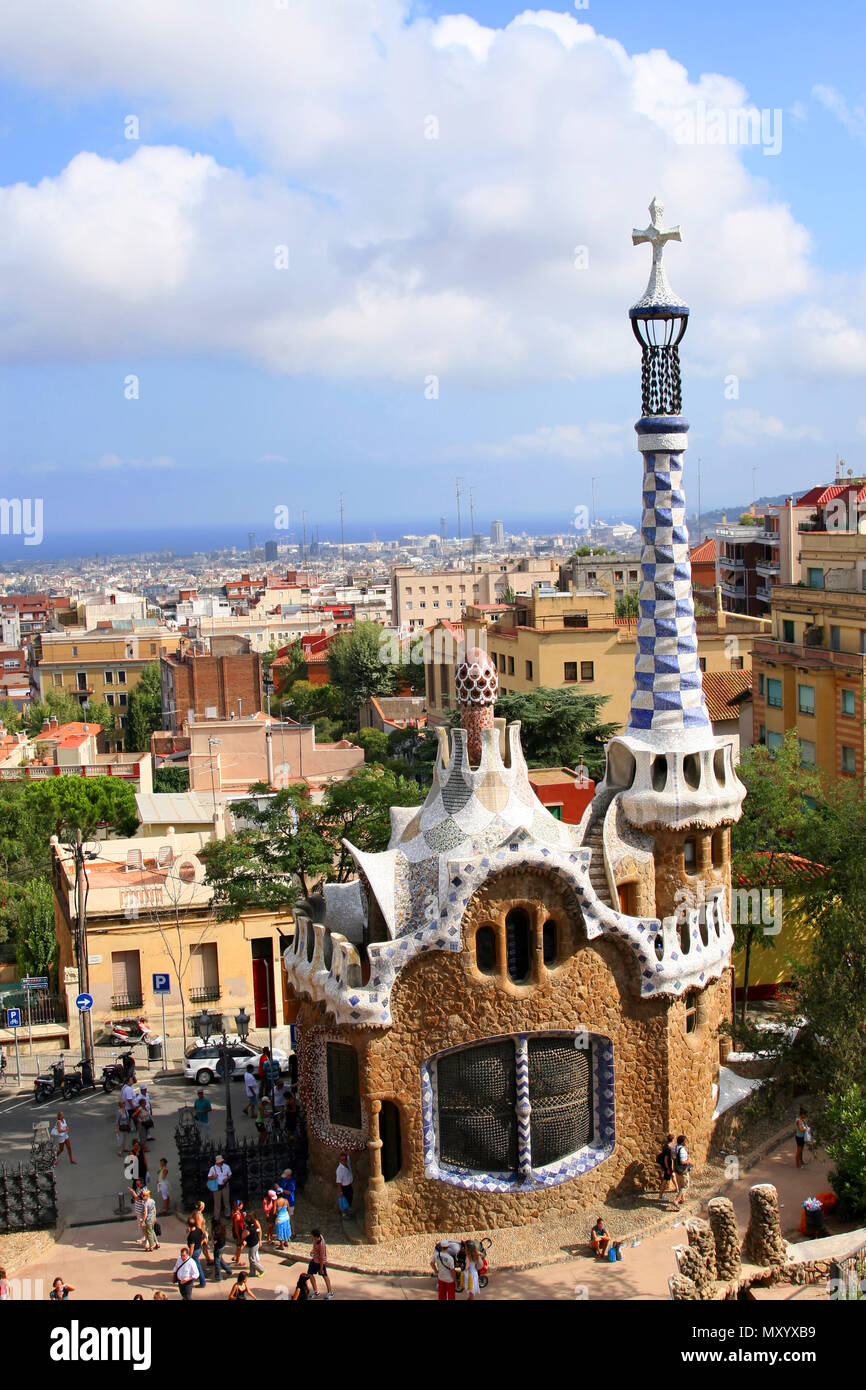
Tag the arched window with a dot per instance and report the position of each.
(691, 1012)
(517, 944)
(485, 950)
(689, 856)
(549, 943)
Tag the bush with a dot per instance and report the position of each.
(846, 1144)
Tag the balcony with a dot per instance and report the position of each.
(767, 567)
(770, 538)
(815, 658)
(764, 592)
(729, 562)
(204, 994)
(733, 590)
(131, 1000)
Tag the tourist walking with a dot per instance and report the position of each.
(283, 1228)
(263, 1114)
(201, 1110)
(253, 1244)
(197, 1216)
(121, 1128)
(164, 1186)
(146, 1105)
(319, 1264)
(138, 1153)
(5, 1287)
(127, 1095)
(474, 1260)
(269, 1210)
(60, 1135)
(241, 1289)
(239, 1227)
(148, 1221)
(801, 1131)
(287, 1187)
(220, 1240)
(682, 1167)
(185, 1273)
(251, 1090)
(442, 1265)
(665, 1161)
(345, 1185)
(60, 1291)
(136, 1192)
(218, 1178)
(194, 1242)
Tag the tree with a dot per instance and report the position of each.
(359, 810)
(845, 1121)
(31, 812)
(306, 702)
(374, 743)
(281, 854)
(559, 727)
(508, 594)
(292, 669)
(628, 606)
(829, 992)
(144, 714)
(171, 778)
(58, 703)
(34, 933)
(10, 717)
(359, 663)
(774, 824)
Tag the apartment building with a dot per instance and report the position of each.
(149, 911)
(105, 664)
(35, 612)
(216, 684)
(618, 574)
(228, 756)
(419, 600)
(572, 641)
(810, 674)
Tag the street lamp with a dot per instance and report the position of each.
(208, 1025)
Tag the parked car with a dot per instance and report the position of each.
(200, 1060)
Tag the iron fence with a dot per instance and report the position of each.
(255, 1166)
(44, 1006)
(28, 1198)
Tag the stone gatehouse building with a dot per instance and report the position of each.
(502, 1016)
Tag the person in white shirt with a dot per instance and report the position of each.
(442, 1264)
(345, 1188)
(251, 1089)
(185, 1273)
(220, 1175)
(127, 1095)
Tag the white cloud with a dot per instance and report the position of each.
(853, 118)
(113, 463)
(574, 442)
(407, 255)
(747, 427)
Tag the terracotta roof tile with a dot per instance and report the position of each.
(720, 688)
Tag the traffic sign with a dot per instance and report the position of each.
(84, 1002)
(35, 982)
(13, 1018)
(162, 984)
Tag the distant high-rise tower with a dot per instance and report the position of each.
(270, 551)
(497, 533)
(251, 542)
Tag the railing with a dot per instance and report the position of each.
(29, 772)
(204, 994)
(44, 1006)
(848, 1275)
(133, 999)
(767, 567)
(794, 652)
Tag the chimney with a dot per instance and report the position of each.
(54, 723)
(46, 724)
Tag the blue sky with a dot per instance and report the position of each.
(414, 260)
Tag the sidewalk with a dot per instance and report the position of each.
(115, 1267)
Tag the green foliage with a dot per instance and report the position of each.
(171, 779)
(290, 846)
(374, 743)
(306, 703)
(67, 710)
(845, 1121)
(830, 994)
(508, 594)
(31, 910)
(31, 812)
(144, 711)
(10, 717)
(628, 606)
(328, 730)
(559, 727)
(355, 664)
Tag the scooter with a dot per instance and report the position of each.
(81, 1077)
(116, 1074)
(45, 1086)
(128, 1032)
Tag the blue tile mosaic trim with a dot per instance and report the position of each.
(529, 1179)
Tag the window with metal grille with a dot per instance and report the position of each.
(517, 944)
(477, 1098)
(344, 1090)
(560, 1094)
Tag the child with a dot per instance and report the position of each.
(164, 1185)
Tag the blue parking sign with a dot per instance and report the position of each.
(13, 1018)
(162, 984)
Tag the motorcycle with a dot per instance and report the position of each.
(128, 1032)
(81, 1078)
(45, 1086)
(116, 1074)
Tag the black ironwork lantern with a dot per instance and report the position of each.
(242, 1024)
(659, 320)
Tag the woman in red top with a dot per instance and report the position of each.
(269, 1208)
(238, 1224)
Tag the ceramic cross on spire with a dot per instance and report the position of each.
(658, 293)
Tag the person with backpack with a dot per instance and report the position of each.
(665, 1161)
(682, 1167)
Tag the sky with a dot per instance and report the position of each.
(256, 253)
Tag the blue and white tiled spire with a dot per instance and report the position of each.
(668, 695)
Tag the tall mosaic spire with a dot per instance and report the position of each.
(668, 694)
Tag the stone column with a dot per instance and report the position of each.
(374, 1148)
(723, 1223)
(763, 1244)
